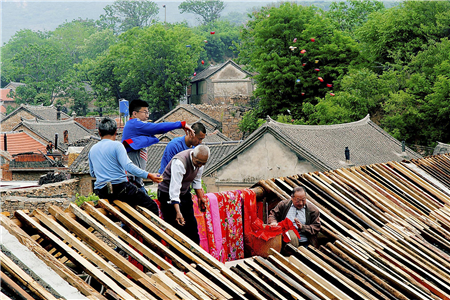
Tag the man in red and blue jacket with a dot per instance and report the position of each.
(138, 135)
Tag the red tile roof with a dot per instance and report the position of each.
(21, 142)
(4, 95)
(2, 109)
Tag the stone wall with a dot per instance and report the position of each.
(185, 115)
(228, 115)
(42, 197)
(32, 175)
(12, 122)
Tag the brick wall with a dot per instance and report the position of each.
(87, 122)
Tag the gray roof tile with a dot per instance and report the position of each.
(441, 148)
(211, 136)
(324, 145)
(211, 70)
(196, 112)
(47, 130)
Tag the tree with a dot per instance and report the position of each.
(123, 15)
(72, 36)
(351, 14)
(207, 10)
(220, 46)
(43, 68)
(283, 72)
(153, 64)
(402, 32)
(20, 40)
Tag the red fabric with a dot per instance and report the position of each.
(235, 240)
(268, 232)
(183, 124)
(210, 229)
(132, 260)
(128, 141)
(222, 199)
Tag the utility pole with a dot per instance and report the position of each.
(164, 13)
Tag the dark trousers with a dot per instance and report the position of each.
(129, 193)
(190, 227)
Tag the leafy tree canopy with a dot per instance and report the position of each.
(272, 45)
(401, 32)
(154, 64)
(123, 15)
(351, 14)
(207, 10)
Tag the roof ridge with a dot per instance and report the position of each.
(363, 121)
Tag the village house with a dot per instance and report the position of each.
(218, 84)
(441, 148)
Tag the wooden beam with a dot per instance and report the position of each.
(49, 260)
(7, 283)
(9, 266)
(87, 252)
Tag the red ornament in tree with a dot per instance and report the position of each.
(203, 62)
(313, 39)
(320, 79)
(331, 94)
(213, 32)
(329, 85)
(195, 73)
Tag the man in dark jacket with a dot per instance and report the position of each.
(304, 215)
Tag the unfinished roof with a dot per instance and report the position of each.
(202, 117)
(21, 142)
(212, 69)
(48, 129)
(385, 235)
(324, 145)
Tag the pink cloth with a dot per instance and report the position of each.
(201, 224)
(214, 227)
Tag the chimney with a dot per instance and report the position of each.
(5, 142)
(56, 141)
(404, 155)
(347, 157)
(58, 112)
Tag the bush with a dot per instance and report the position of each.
(79, 200)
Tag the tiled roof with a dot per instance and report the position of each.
(441, 148)
(218, 151)
(14, 85)
(46, 112)
(4, 95)
(2, 110)
(324, 145)
(21, 142)
(211, 136)
(81, 164)
(211, 70)
(154, 155)
(196, 112)
(47, 129)
(39, 112)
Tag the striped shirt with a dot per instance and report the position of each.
(300, 215)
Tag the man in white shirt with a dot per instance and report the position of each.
(174, 192)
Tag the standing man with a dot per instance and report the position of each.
(138, 135)
(109, 163)
(182, 143)
(304, 215)
(174, 193)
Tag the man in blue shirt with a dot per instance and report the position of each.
(182, 143)
(138, 135)
(109, 164)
